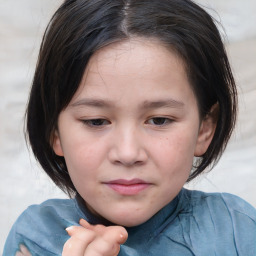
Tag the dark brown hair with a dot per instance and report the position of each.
(80, 27)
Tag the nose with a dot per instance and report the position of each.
(128, 148)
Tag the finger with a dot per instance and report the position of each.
(99, 229)
(74, 247)
(85, 224)
(23, 251)
(81, 233)
(80, 239)
(19, 253)
(88, 242)
(116, 234)
(100, 247)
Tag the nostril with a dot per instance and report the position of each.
(129, 163)
(137, 156)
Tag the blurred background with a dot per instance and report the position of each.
(23, 183)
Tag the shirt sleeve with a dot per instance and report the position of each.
(16, 240)
(12, 243)
(40, 229)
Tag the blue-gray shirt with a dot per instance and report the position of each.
(194, 223)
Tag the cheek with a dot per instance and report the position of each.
(82, 166)
(175, 153)
(83, 160)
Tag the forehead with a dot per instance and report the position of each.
(144, 67)
(144, 55)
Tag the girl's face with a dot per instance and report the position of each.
(131, 131)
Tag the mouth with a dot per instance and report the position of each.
(128, 187)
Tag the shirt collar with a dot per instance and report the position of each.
(142, 232)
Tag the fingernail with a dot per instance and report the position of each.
(68, 229)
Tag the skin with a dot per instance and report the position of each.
(134, 116)
(89, 240)
(23, 251)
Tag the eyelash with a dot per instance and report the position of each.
(89, 122)
(163, 121)
(100, 122)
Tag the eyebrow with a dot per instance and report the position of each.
(171, 103)
(102, 103)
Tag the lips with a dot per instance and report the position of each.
(128, 187)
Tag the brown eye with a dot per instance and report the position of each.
(159, 121)
(96, 122)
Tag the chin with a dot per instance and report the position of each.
(127, 220)
(128, 223)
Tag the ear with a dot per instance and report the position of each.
(206, 131)
(56, 144)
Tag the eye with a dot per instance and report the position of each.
(159, 121)
(98, 122)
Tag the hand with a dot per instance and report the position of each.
(23, 251)
(90, 240)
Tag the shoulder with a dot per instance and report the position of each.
(49, 216)
(219, 203)
(49, 212)
(208, 224)
(223, 222)
(52, 207)
(43, 224)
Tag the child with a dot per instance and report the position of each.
(131, 99)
